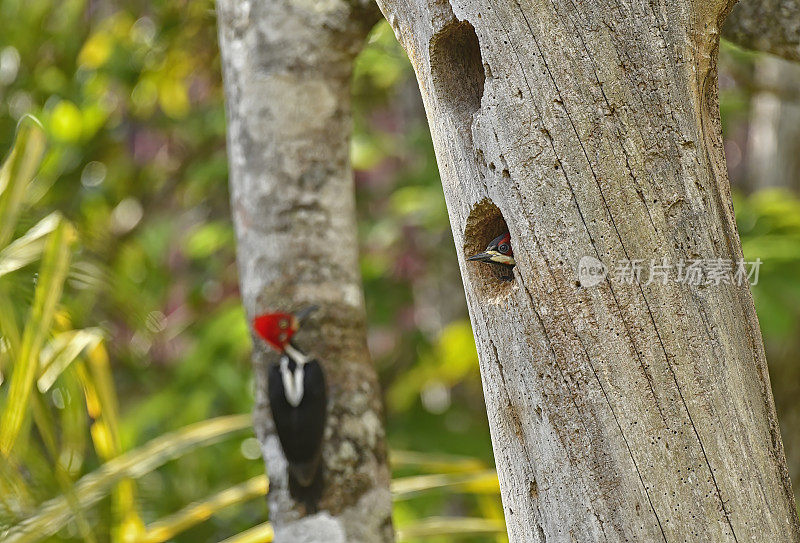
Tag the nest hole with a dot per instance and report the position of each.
(486, 222)
(457, 71)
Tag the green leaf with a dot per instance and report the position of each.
(101, 402)
(57, 457)
(62, 351)
(481, 482)
(451, 526)
(27, 248)
(53, 271)
(9, 333)
(17, 172)
(435, 462)
(262, 533)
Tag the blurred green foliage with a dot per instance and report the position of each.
(769, 224)
(130, 98)
(131, 103)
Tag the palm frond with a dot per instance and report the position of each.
(198, 512)
(54, 514)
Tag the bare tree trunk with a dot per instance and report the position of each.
(287, 67)
(772, 26)
(618, 412)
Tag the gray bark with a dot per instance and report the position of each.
(287, 67)
(773, 142)
(618, 412)
(772, 26)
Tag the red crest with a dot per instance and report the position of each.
(276, 328)
(503, 244)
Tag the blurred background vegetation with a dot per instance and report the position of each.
(123, 345)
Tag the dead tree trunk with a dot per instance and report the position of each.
(619, 411)
(287, 67)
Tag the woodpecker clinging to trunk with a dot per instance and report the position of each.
(498, 252)
(298, 400)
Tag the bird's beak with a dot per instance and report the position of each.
(493, 256)
(487, 256)
(304, 313)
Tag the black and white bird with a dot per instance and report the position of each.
(499, 252)
(298, 400)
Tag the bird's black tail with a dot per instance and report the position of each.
(309, 495)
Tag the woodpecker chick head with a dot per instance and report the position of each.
(499, 251)
(277, 329)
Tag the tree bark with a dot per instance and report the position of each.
(772, 26)
(618, 412)
(287, 67)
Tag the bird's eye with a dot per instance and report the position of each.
(283, 324)
(504, 248)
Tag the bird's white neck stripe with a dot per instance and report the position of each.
(293, 380)
(296, 355)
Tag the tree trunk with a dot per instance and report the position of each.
(287, 67)
(618, 412)
(773, 140)
(772, 26)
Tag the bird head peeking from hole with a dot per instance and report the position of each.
(498, 251)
